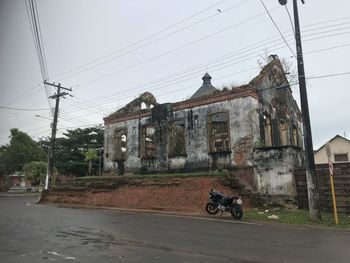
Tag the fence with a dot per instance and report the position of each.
(341, 185)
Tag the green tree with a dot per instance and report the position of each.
(70, 158)
(90, 155)
(36, 172)
(22, 149)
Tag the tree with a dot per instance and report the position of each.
(35, 171)
(21, 150)
(90, 155)
(70, 158)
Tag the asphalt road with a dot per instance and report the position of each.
(44, 233)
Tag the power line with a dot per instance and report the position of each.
(34, 22)
(252, 56)
(307, 26)
(175, 49)
(23, 109)
(206, 63)
(273, 21)
(290, 19)
(329, 75)
(120, 98)
(166, 53)
(291, 84)
(318, 23)
(149, 37)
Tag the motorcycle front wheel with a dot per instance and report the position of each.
(237, 211)
(211, 208)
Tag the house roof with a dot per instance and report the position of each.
(206, 88)
(337, 136)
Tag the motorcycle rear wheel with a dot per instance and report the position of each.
(211, 208)
(236, 211)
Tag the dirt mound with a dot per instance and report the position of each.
(187, 195)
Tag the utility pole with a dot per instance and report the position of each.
(313, 198)
(99, 164)
(51, 157)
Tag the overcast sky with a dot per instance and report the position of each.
(111, 51)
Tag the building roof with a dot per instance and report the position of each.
(206, 88)
(335, 137)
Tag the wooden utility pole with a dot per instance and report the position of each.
(51, 157)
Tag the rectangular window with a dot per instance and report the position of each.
(219, 140)
(120, 139)
(341, 157)
(177, 145)
(148, 142)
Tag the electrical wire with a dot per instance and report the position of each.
(330, 75)
(273, 21)
(109, 97)
(306, 26)
(120, 98)
(173, 50)
(34, 22)
(22, 109)
(290, 19)
(151, 36)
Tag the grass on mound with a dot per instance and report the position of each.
(152, 176)
(297, 216)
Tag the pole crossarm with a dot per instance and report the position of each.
(59, 95)
(57, 85)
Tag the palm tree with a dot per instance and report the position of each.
(90, 155)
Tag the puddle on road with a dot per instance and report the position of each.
(57, 256)
(97, 239)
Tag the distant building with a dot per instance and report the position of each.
(18, 179)
(257, 125)
(340, 149)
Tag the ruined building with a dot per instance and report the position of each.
(255, 126)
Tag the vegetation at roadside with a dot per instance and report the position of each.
(22, 149)
(71, 151)
(296, 216)
(35, 172)
(151, 176)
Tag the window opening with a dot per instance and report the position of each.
(148, 142)
(177, 146)
(219, 140)
(341, 157)
(267, 130)
(283, 132)
(120, 144)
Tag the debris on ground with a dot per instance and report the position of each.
(273, 217)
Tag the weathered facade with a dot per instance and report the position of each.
(212, 130)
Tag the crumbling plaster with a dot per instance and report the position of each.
(245, 106)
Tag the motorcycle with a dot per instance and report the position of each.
(220, 202)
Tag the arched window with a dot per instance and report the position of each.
(219, 138)
(143, 106)
(283, 132)
(267, 129)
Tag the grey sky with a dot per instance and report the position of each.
(79, 32)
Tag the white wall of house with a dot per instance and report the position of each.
(340, 147)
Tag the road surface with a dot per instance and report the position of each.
(45, 233)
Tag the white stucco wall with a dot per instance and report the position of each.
(338, 145)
